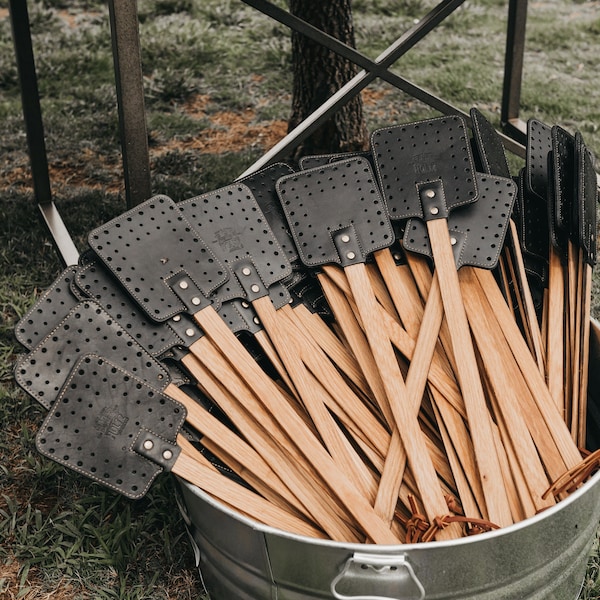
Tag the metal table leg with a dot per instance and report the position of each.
(130, 96)
(35, 132)
(513, 71)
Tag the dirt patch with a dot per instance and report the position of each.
(237, 131)
(11, 588)
(228, 131)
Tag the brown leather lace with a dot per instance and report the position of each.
(418, 529)
(569, 481)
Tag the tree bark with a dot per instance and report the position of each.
(319, 73)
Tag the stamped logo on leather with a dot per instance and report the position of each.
(110, 422)
(424, 163)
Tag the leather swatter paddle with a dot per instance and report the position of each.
(426, 171)
(337, 217)
(488, 150)
(98, 284)
(115, 429)
(49, 309)
(159, 258)
(558, 183)
(86, 329)
(99, 420)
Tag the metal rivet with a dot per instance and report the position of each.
(345, 239)
(196, 301)
(183, 285)
(256, 320)
(148, 445)
(434, 210)
(397, 256)
(255, 288)
(453, 241)
(430, 193)
(177, 318)
(189, 332)
(246, 271)
(245, 304)
(351, 256)
(167, 454)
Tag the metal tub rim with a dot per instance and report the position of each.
(353, 546)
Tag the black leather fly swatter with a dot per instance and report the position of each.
(168, 269)
(584, 236)
(306, 297)
(106, 424)
(116, 430)
(426, 171)
(338, 217)
(477, 231)
(491, 160)
(241, 237)
(553, 184)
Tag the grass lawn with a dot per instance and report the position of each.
(218, 93)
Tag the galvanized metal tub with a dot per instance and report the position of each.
(541, 558)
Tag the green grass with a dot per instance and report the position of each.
(59, 533)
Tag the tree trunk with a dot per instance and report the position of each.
(319, 73)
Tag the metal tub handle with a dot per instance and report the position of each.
(377, 577)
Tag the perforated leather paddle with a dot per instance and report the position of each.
(337, 216)
(439, 179)
(115, 429)
(49, 309)
(168, 269)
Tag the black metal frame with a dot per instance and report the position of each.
(130, 95)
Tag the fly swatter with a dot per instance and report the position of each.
(115, 429)
(426, 171)
(240, 236)
(337, 217)
(168, 269)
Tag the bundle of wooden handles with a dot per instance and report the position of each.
(420, 402)
(423, 406)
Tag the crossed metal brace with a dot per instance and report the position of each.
(130, 95)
